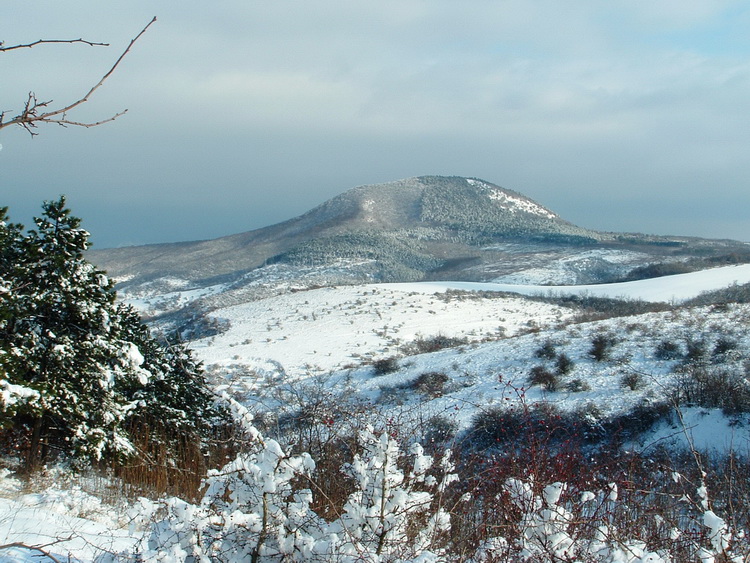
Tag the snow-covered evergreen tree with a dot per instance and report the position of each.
(73, 364)
(175, 394)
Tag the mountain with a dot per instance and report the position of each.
(423, 228)
(425, 212)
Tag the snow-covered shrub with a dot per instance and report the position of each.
(258, 508)
(555, 524)
(249, 512)
(391, 513)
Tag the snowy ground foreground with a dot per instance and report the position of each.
(68, 524)
(666, 289)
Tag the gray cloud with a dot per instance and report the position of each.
(619, 116)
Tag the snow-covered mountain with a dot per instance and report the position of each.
(429, 228)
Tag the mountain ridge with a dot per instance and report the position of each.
(426, 227)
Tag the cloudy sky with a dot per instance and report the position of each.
(618, 115)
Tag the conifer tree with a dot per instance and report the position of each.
(75, 367)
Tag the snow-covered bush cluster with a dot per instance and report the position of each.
(259, 507)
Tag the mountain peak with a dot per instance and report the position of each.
(452, 202)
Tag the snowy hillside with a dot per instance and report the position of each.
(452, 351)
(334, 334)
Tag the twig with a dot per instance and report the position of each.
(42, 41)
(30, 117)
(37, 548)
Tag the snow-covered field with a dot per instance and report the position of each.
(670, 289)
(330, 336)
(325, 329)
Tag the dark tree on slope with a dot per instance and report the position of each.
(75, 367)
(176, 395)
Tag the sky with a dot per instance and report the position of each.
(617, 115)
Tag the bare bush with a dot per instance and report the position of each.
(563, 364)
(431, 383)
(543, 377)
(426, 345)
(667, 350)
(384, 366)
(601, 346)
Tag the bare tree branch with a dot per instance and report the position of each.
(41, 41)
(36, 112)
(37, 548)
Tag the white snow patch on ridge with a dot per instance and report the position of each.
(513, 204)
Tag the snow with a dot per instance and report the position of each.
(706, 430)
(149, 303)
(512, 203)
(49, 519)
(668, 289)
(325, 329)
(330, 336)
(11, 394)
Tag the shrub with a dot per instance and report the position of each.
(667, 350)
(425, 345)
(546, 351)
(384, 366)
(723, 345)
(696, 350)
(541, 425)
(601, 346)
(440, 429)
(712, 387)
(577, 385)
(544, 377)
(563, 364)
(632, 381)
(430, 383)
